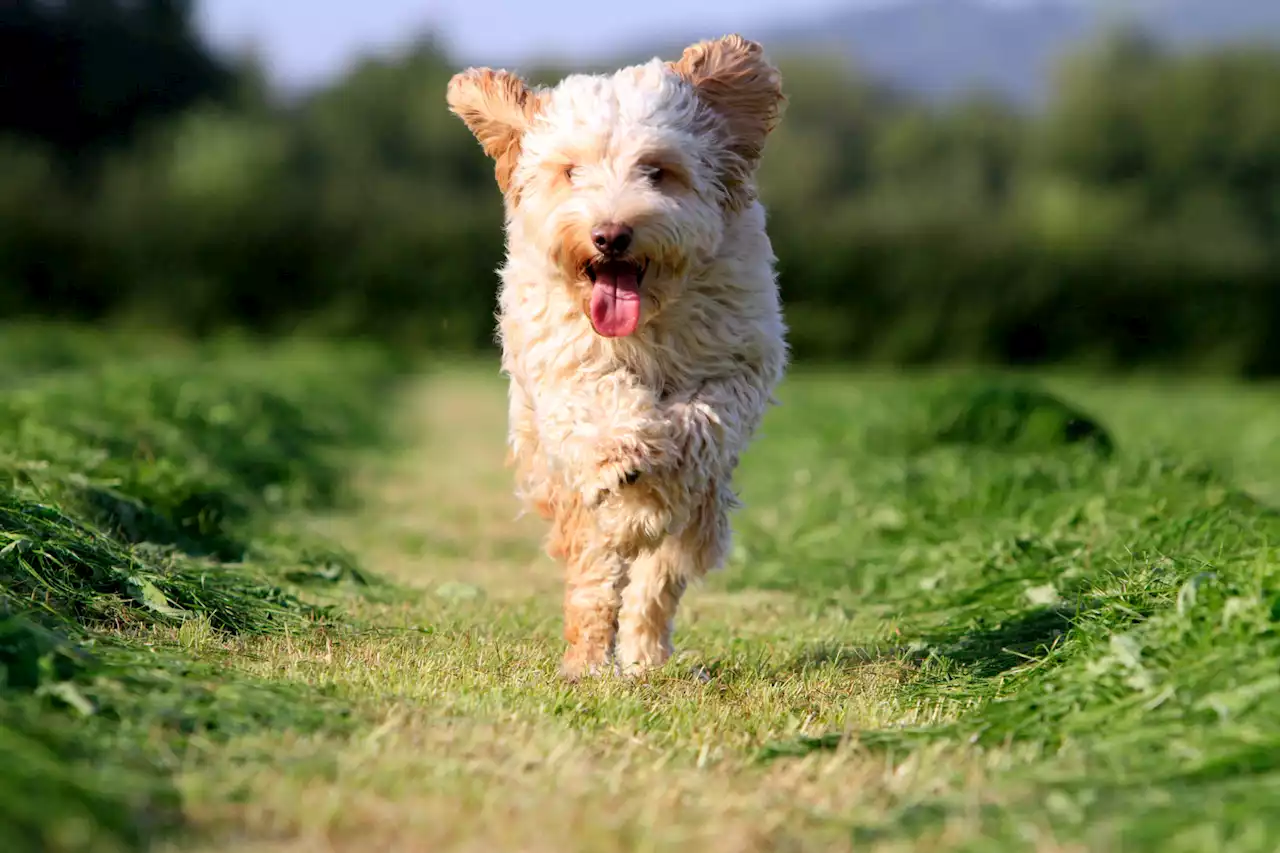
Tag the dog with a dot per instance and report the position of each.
(640, 323)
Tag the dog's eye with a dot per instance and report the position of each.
(568, 172)
(657, 175)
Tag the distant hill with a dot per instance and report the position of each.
(941, 48)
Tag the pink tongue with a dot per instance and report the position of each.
(615, 301)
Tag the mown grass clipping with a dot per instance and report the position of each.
(139, 493)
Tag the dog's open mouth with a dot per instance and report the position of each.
(615, 296)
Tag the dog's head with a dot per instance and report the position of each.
(626, 180)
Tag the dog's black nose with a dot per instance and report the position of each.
(611, 238)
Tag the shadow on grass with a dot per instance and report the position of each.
(979, 652)
(1018, 417)
(848, 657)
(198, 525)
(988, 651)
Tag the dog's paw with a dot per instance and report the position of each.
(580, 662)
(625, 463)
(608, 477)
(641, 651)
(641, 669)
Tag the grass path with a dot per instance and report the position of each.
(476, 745)
(1021, 658)
(944, 626)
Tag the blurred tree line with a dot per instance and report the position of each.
(1136, 221)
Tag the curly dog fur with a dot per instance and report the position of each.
(640, 322)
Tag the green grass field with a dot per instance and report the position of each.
(279, 599)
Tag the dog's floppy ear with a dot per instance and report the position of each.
(733, 77)
(498, 108)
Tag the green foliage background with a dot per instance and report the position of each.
(1134, 221)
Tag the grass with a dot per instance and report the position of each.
(145, 502)
(963, 613)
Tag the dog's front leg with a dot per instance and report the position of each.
(712, 427)
(659, 577)
(626, 446)
(605, 442)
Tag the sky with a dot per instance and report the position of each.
(305, 42)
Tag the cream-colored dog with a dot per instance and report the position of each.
(640, 322)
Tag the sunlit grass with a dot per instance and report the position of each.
(944, 627)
